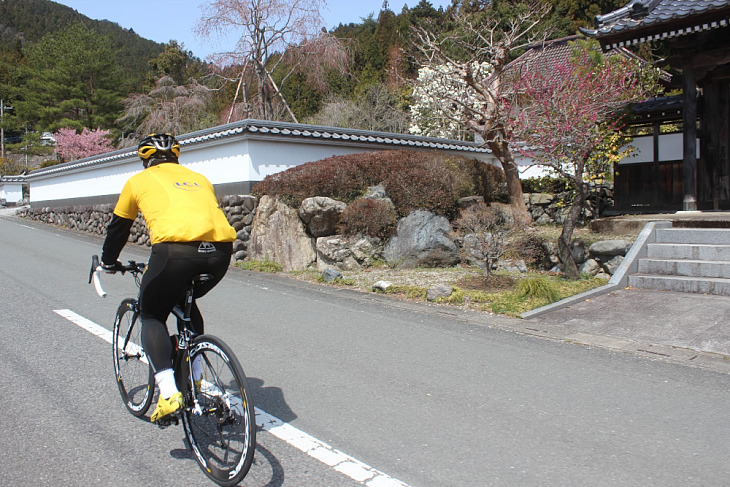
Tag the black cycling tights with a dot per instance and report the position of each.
(171, 267)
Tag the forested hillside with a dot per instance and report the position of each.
(60, 70)
(28, 21)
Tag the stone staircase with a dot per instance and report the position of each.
(693, 260)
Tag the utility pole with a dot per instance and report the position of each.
(2, 127)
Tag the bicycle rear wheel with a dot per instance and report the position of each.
(134, 375)
(221, 426)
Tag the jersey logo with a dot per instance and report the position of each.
(188, 186)
(206, 248)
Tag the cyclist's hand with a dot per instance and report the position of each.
(112, 268)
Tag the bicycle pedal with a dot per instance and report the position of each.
(168, 421)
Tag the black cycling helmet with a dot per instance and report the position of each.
(157, 148)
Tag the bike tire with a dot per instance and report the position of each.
(222, 430)
(132, 371)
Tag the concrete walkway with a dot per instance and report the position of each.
(685, 327)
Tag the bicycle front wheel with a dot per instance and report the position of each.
(219, 417)
(134, 375)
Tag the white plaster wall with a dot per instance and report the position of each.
(94, 181)
(11, 192)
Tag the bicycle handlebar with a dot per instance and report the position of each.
(96, 269)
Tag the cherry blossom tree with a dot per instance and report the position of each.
(284, 35)
(570, 119)
(71, 145)
(168, 107)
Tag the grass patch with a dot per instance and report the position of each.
(260, 266)
(407, 290)
(539, 288)
(514, 303)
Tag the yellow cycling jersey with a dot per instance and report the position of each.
(179, 205)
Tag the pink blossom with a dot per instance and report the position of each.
(71, 145)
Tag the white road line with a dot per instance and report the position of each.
(319, 450)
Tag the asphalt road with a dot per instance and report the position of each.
(422, 395)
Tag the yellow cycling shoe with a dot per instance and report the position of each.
(166, 407)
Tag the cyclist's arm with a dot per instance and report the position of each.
(117, 234)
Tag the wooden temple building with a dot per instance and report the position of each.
(694, 38)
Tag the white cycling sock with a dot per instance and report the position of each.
(166, 382)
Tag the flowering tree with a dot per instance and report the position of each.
(568, 118)
(168, 107)
(71, 145)
(274, 34)
(462, 79)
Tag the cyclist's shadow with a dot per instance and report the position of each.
(271, 400)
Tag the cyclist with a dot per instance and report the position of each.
(190, 235)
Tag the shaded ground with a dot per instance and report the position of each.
(493, 283)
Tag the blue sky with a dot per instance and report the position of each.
(163, 20)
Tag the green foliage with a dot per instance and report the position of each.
(412, 179)
(545, 184)
(376, 218)
(70, 80)
(31, 20)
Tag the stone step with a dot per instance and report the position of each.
(716, 286)
(713, 236)
(688, 251)
(685, 267)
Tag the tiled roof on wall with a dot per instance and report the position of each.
(263, 128)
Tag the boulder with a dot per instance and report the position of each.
(321, 215)
(517, 266)
(439, 291)
(609, 247)
(381, 286)
(347, 252)
(330, 274)
(422, 240)
(590, 267)
(279, 235)
(612, 265)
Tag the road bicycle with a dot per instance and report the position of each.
(218, 416)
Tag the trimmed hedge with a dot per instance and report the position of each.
(426, 180)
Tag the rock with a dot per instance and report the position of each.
(544, 219)
(330, 274)
(609, 247)
(590, 267)
(421, 241)
(321, 215)
(378, 193)
(381, 286)
(541, 199)
(347, 252)
(611, 266)
(512, 265)
(279, 235)
(439, 291)
(470, 201)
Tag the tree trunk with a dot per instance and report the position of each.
(565, 241)
(502, 151)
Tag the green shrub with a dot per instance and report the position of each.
(545, 184)
(538, 287)
(375, 218)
